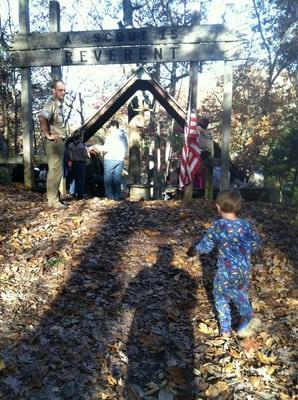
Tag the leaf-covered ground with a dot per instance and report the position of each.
(100, 301)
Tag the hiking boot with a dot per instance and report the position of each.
(248, 329)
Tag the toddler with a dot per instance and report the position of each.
(235, 240)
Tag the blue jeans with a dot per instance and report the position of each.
(112, 178)
(79, 174)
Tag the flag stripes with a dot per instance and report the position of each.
(190, 160)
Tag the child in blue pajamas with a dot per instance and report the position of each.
(235, 240)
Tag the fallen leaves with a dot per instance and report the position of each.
(220, 388)
(116, 310)
(265, 359)
(250, 345)
(235, 354)
(205, 329)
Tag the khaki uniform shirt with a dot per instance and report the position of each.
(53, 112)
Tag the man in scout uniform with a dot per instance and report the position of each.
(51, 120)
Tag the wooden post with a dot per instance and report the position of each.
(193, 92)
(193, 87)
(56, 72)
(26, 101)
(157, 164)
(208, 192)
(134, 165)
(227, 110)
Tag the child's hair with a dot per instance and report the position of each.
(229, 201)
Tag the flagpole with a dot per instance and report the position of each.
(193, 92)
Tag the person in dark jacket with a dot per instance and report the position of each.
(79, 152)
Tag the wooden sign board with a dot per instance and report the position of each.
(124, 37)
(127, 55)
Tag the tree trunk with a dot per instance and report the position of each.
(81, 110)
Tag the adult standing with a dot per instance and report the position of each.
(115, 150)
(79, 153)
(52, 125)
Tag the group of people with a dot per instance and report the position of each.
(234, 237)
(115, 148)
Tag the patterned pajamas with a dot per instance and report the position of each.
(235, 241)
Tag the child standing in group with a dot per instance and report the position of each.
(79, 153)
(235, 240)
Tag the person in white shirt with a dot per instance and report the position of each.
(115, 150)
(256, 179)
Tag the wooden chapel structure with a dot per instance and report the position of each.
(192, 43)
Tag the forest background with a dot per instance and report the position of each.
(265, 85)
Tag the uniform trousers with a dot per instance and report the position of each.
(55, 153)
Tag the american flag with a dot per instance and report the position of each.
(191, 154)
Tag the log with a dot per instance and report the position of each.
(124, 37)
(128, 55)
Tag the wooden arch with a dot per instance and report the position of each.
(140, 80)
(193, 43)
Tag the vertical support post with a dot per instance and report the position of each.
(134, 166)
(208, 182)
(157, 189)
(193, 90)
(227, 110)
(26, 101)
(56, 72)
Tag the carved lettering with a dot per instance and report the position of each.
(68, 57)
(127, 54)
(112, 54)
(82, 56)
(173, 52)
(67, 40)
(97, 37)
(174, 33)
(108, 37)
(131, 35)
(157, 53)
(97, 54)
(163, 32)
(119, 36)
(142, 53)
(144, 34)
